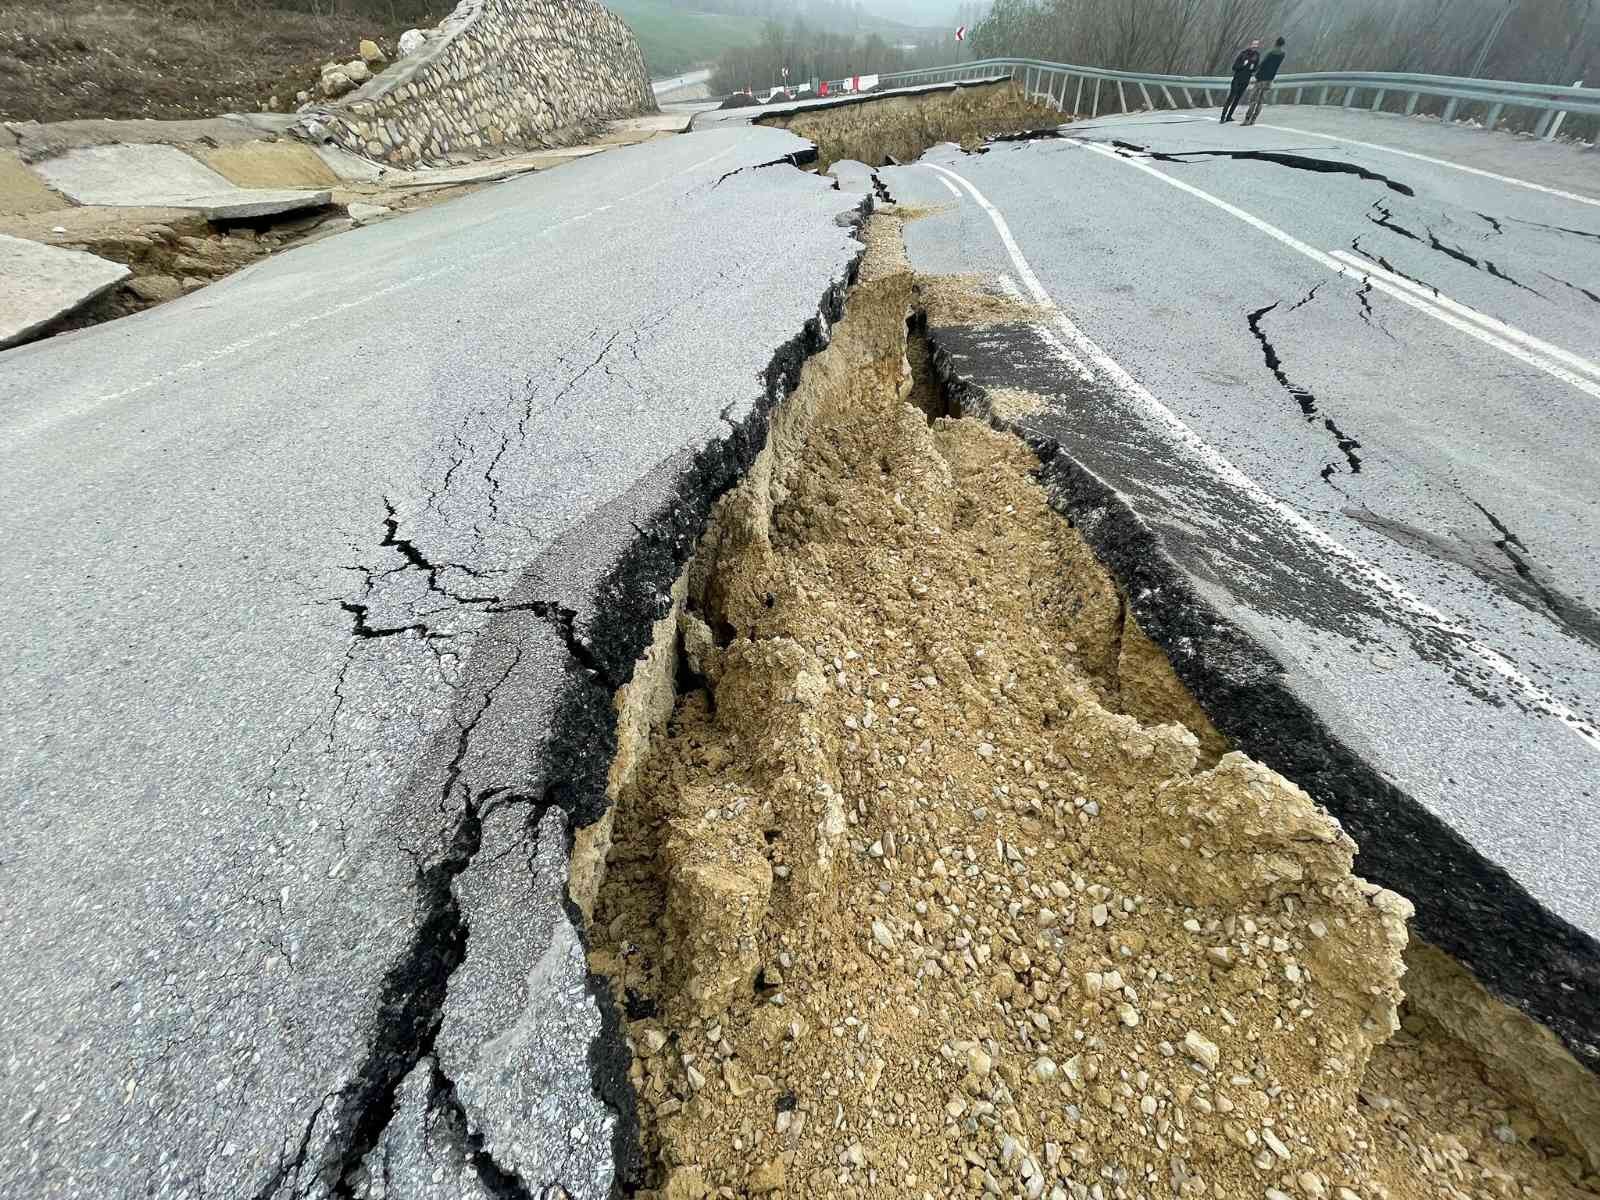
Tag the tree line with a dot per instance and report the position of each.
(1535, 41)
(810, 52)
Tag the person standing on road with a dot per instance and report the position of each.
(1244, 66)
(1265, 74)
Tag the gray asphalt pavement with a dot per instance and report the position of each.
(1397, 510)
(305, 667)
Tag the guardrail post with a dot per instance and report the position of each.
(1122, 96)
(1555, 124)
(1145, 92)
(1077, 103)
(1450, 110)
(1188, 97)
(1377, 101)
(1349, 95)
(1494, 114)
(1165, 92)
(1096, 110)
(1411, 103)
(1325, 93)
(1542, 129)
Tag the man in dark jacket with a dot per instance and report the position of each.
(1244, 66)
(1265, 74)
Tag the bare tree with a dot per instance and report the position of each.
(1231, 24)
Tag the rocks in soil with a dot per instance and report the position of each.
(914, 909)
(156, 289)
(365, 214)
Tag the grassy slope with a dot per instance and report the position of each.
(674, 40)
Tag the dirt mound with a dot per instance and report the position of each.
(739, 100)
(911, 895)
(876, 129)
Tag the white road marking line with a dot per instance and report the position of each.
(1024, 271)
(1438, 162)
(46, 419)
(1509, 332)
(954, 190)
(1373, 575)
(1422, 300)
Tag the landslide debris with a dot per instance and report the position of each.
(898, 128)
(908, 892)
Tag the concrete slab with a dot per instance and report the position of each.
(365, 214)
(160, 176)
(351, 168)
(667, 121)
(40, 284)
(38, 141)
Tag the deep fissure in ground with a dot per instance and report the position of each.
(912, 892)
(635, 595)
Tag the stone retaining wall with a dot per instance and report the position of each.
(496, 73)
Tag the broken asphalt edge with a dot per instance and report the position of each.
(573, 768)
(628, 602)
(1466, 904)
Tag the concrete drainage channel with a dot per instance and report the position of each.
(925, 876)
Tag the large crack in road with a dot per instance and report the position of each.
(882, 890)
(702, 972)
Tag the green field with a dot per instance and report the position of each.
(674, 40)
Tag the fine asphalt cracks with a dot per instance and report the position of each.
(307, 672)
(1363, 531)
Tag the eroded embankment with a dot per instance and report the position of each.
(906, 890)
(899, 127)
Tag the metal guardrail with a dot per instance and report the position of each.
(1051, 81)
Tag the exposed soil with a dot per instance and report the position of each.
(926, 877)
(168, 59)
(876, 130)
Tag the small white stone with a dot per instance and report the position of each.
(1201, 1050)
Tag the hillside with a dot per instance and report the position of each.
(674, 39)
(169, 59)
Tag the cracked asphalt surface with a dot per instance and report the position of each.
(1416, 510)
(310, 569)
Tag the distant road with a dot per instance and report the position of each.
(1345, 370)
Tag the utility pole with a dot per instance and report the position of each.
(1489, 41)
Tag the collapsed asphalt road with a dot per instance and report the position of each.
(329, 602)
(312, 679)
(1354, 516)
